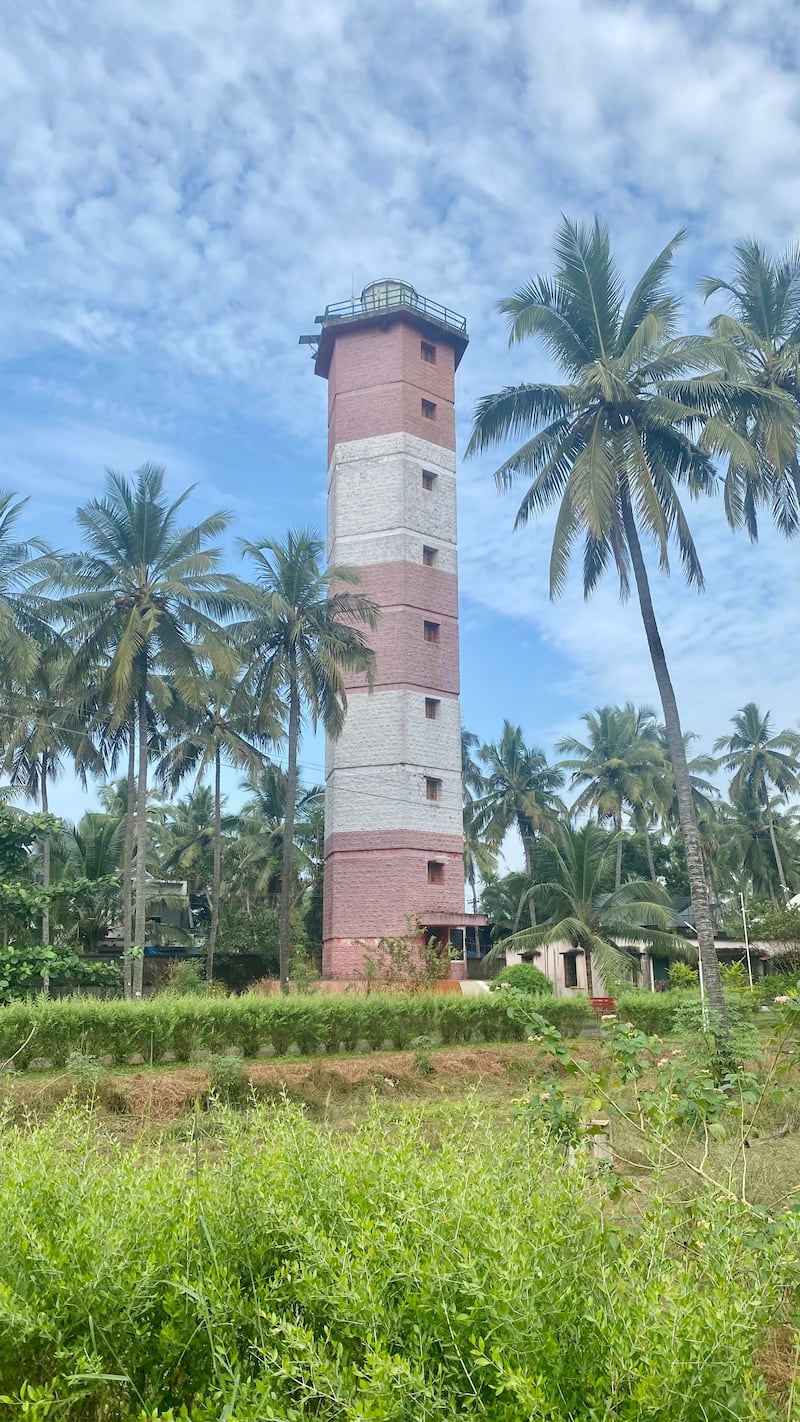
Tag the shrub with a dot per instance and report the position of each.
(683, 978)
(227, 1081)
(651, 1012)
(287, 1276)
(526, 977)
(185, 978)
(183, 1026)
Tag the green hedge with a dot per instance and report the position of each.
(164, 1027)
(655, 1012)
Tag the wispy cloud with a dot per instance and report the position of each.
(186, 183)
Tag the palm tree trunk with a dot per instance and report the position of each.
(288, 822)
(698, 887)
(217, 871)
(45, 874)
(618, 825)
(776, 852)
(141, 843)
(526, 845)
(127, 863)
(649, 852)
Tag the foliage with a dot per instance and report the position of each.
(227, 1082)
(185, 979)
(184, 1025)
(524, 976)
(303, 973)
(779, 925)
(286, 1276)
(256, 933)
(683, 978)
(406, 963)
(24, 966)
(608, 925)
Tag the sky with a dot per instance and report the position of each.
(186, 184)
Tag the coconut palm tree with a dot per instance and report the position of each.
(143, 599)
(748, 838)
(760, 760)
(24, 623)
(303, 634)
(762, 331)
(620, 766)
(611, 447)
(520, 792)
(210, 724)
(610, 926)
(91, 851)
(43, 724)
(480, 859)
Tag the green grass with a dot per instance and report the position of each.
(419, 1266)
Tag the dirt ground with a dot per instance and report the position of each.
(332, 1085)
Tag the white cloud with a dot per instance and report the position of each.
(186, 183)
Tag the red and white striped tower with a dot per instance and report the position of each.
(393, 819)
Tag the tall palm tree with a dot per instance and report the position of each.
(610, 926)
(143, 598)
(620, 766)
(762, 331)
(759, 760)
(302, 635)
(211, 723)
(24, 623)
(748, 836)
(42, 725)
(519, 792)
(611, 446)
(480, 859)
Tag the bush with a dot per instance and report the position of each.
(285, 1276)
(652, 1012)
(526, 977)
(180, 1026)
(683, 978)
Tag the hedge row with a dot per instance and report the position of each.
(165, 1028)
(656, 1012)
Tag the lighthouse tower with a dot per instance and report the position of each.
(393, 817)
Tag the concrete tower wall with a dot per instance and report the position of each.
(393, 821)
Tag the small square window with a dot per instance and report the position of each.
(433, 788)
(428, 410)
(429, 557)
(431, 708)
(428, 352)
(428, 479)
(435, 872)
(431, 631)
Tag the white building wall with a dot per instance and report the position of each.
(378, 510)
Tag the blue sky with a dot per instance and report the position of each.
(185, 184)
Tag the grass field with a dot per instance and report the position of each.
(383, 1236)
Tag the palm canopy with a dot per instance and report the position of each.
(619, 764)
(749, 835)
(762, 331)
(146, 590)
(519, 790)
(758, 757)
(638, 416)
(611, 926)
(24, 625)
(620, 767)
(301, 626)
(210, 719)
